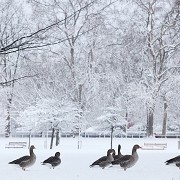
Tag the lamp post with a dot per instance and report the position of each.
(29, 139)
(79, 134)
(46, 141)
(112, 129)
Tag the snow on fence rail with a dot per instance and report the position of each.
(100, 134)
(154, 146)
(18, 144)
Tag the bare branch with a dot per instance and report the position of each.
(19, 43)
(8, 83)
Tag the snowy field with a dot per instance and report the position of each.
(75, 163)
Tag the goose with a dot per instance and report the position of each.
(175, 160)
(103, 158)
(117, 157)
(127, 161)
(53, 161)
(108, 160)
(26, 161)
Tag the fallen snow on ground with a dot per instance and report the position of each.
(75, 162)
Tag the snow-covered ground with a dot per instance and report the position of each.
(75, 163)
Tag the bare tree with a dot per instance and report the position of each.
(162, 42)
(16, 37)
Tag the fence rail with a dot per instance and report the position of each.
(90, 135)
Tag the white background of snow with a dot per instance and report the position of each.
(75, 163)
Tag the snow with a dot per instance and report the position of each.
(75, 162)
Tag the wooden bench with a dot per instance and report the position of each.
(154, 146)
(16, 145)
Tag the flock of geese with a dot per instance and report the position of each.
(125, 161)
(29, 160)
(111, 159)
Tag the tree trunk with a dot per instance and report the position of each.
(164, 128)
(57, 137)
(8, 119)
(8, 125)
(52, 138)
(150, 122)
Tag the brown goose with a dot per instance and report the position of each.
(53, 161)
(175, 160)
(128, 161)
(103, 158)
(26, 161)
(108, 161)
(117, 157)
